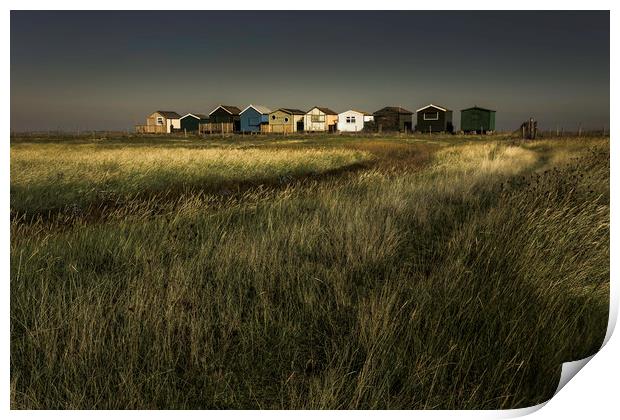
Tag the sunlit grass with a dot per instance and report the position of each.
(53, 176)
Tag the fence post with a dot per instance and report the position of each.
(579, 129)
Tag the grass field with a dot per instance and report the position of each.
(304, 272)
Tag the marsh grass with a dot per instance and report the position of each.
(459, 281)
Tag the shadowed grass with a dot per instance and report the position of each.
(461, 284)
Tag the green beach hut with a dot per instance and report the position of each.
(478, 120)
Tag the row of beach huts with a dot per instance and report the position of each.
(260, 119)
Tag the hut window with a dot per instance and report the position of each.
(285, 119)
(160, 120)
(273, 117)
(317, 118)
(432, 116)
(351, 120)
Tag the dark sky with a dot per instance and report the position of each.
(108, 70)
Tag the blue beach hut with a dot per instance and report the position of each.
(253, 117)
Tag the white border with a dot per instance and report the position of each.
(430, 119)
(218, 107)
(591, 395)
(257, 110)
(431, 105)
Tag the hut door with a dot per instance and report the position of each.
(300, 126)
(475, 121)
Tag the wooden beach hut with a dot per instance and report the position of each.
(393, 118)
(477, 120)
(353, 120)
(223, 119)
(160, 122)
(285, 120)
(434, 119)
(191, 122)
(320, 119)
(253, 117)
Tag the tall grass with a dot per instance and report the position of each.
(464, 283)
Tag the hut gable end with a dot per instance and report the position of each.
(434, 119)
(161, 122)
(477, 119)
(320, 119)
(393, 118)
(353, 120)
(191, 121)
(225, 114)
(285, 120)
(253, 117)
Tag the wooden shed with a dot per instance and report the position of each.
(320, 119)
(286, 120)
(223, 119)
(478, 120)
(434, 119)
(160, 122)
(393, 118)
(253, 117)
(353, 120)
(191, 122)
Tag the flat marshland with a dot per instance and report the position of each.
(304, 272)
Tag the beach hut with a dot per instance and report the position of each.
(478, 120)
(160, 122)
(353, 120)
(191, 122)
(286, 120)
(253, 117)
(393, 118)
(434, 119)
(320, 119)
(223, 119)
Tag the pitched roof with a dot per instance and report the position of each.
(232, 110)
(434, 106)
(355, 110)
(396, 109)
(292, 111)
(324, 110)
(199, 116)
(478, 107)
(260, 108)
(168, 114)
